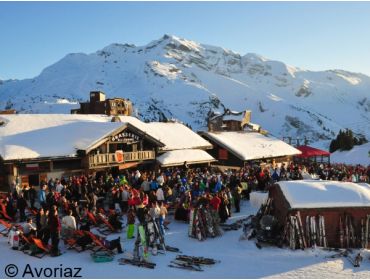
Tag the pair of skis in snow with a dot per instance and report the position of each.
(191, 262)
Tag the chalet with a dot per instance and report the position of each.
(236, 141)
(36, 147)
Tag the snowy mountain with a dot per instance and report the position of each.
(182, 79)
(358, 155)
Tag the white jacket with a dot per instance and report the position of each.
(160, 194)
(69, 222)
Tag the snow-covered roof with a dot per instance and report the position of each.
(27, 136)
(36, 136)
(179, 157)
(176, 136)
(251, 145)
(325, 194)
(231, 117)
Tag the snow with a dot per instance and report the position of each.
(25, 136)
(176, 136)
(325, 194)
(258, 198)
(252, 145)
(239, 259)
(357, 155)
(148, 75)
(179, 157)
(57, 141)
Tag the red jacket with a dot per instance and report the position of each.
(215, 202)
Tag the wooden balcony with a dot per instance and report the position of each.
(105, 160)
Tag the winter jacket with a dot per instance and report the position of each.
(42, 196)
(160, 194)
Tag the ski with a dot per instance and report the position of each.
(341, 232)
(308, 231)
(367, 231)
(352, 232)
(292, 241)
(313, 231)
(196, 260)
(362, 234)
(347, 232)
(322, 221)
(138, 263)
(299, 219)
(185, 266)
(300, 240)
(173, 249)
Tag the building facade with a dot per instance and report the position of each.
(98, 104)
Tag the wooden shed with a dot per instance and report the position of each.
(342, 204)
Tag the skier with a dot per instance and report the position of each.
(130, 223)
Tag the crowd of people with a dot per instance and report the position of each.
(63, 205)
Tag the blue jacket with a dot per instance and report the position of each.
(42, 196)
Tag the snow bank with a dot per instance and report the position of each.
(179, 157)
(258, 198)
(325, 194)
(252, 145)
(358, 155)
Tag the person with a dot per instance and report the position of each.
(21, 205)
(113, 244)
(59, 187)
(160, 194)
(41, 224)
(223, 210)
(237, 196)
(28, 228)
(130, 223)
(42, 196)
(125, 196)
(68, 225)
(32, 196)
(115, 222)
(54, 228)
(162, 217)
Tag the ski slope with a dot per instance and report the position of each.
(239, 259)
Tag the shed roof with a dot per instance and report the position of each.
(251, 145)
(325, 194)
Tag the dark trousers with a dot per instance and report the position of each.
(124, 206)
(237, 204)
(22, 214)
(115, 244)
(54, 242)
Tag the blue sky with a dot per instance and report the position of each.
(311, 35)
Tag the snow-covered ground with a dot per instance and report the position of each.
(358, 155)
(239, 259)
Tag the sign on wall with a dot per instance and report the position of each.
(119, 156)
(125, 137)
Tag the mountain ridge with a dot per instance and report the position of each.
(177, 78)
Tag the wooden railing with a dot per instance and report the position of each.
(110, 159)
